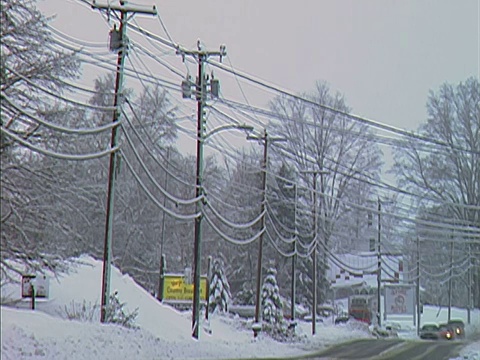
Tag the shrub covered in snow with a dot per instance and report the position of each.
(246, 296)
(271, 301)
(273, 320)
(219, 288)
(116, 314)
(81, 311)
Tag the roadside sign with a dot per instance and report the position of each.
(176, 289)
(40, 283)
(399, 299)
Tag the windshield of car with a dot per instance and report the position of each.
(456, 323)
(429, 328)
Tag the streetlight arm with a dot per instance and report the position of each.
(216, 130)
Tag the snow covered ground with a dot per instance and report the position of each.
(163, 332)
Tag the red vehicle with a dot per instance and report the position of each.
(446, 332)
(360, 307)
(458, 326)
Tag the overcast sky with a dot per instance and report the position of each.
(384, 56)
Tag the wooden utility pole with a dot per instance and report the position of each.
(450, 279)
(419, 314)
(201, 95)
(379, 265)
(265, 139)
(294, 256)
(118, 43)
(162, 235)
(314, 173)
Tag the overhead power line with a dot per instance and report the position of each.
(360, 119)
(57, 155)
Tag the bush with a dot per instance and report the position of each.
(82, 312)
(116, 314)
(246, 296)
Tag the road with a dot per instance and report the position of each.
(394, 349)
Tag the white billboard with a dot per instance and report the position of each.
(40, 283)
(399, 299)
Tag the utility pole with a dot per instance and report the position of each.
(118, 43)
(201, 96)
(469, 285)
(294, 256)
(162, 235)
(450, 282)
(418, 286)
(379, 265)
(266, 140)
(293, 186)
(314, 253)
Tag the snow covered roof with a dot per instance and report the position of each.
(347, 270)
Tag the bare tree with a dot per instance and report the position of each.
(328, 141)
(446, 177)
(27, 64)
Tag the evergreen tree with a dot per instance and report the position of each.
(219, 288)
(271, 301)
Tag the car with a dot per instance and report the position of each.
(446, 332)
(342, 319)
(458, 327)
(430, 332)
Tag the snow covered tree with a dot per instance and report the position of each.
(446, 179)
(29, 62)
(219, 288)
(271, 301)
(246, 296)
(326, 140)
(239, 201)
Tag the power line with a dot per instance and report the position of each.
(57, 155)
(366, 121)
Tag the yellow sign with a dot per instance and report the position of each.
(176, 289)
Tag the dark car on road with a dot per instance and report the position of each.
(446, 332)
(430, 332)
(458, 328)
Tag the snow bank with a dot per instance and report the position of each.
(163, 332)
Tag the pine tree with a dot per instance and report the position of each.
(219, 288)
(271, 301)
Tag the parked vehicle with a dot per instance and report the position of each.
(342, 318)
(458, 328)
(360, 307)
(446, 332)
(430, 332)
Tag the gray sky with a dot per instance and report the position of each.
(384, 56)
